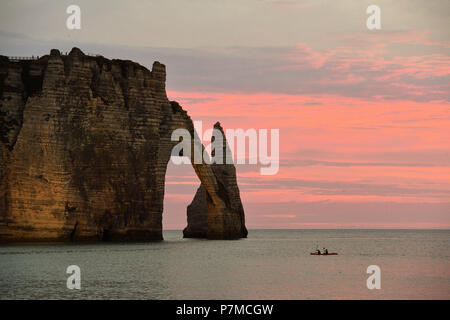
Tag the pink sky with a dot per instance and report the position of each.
(344, 152)
(376, 155)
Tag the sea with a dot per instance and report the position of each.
(269, 264)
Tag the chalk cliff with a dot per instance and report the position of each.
(233, 223)
(84, 147)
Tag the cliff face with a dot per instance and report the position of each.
(84, 147)
(232, 222)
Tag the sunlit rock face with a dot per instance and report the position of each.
(84, 147)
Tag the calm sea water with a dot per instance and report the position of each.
(270, 264)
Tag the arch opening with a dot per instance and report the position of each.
(181, 184)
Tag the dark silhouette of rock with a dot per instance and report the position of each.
(232, 220)
(84, 147)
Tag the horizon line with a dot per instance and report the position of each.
(379, 228)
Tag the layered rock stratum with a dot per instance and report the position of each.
(84, 147)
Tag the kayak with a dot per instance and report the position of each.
(323, 254)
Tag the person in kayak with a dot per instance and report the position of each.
(325, 251)
(318, 251)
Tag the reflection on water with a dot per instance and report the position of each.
(270, 264)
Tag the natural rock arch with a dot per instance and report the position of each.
(87, 154)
